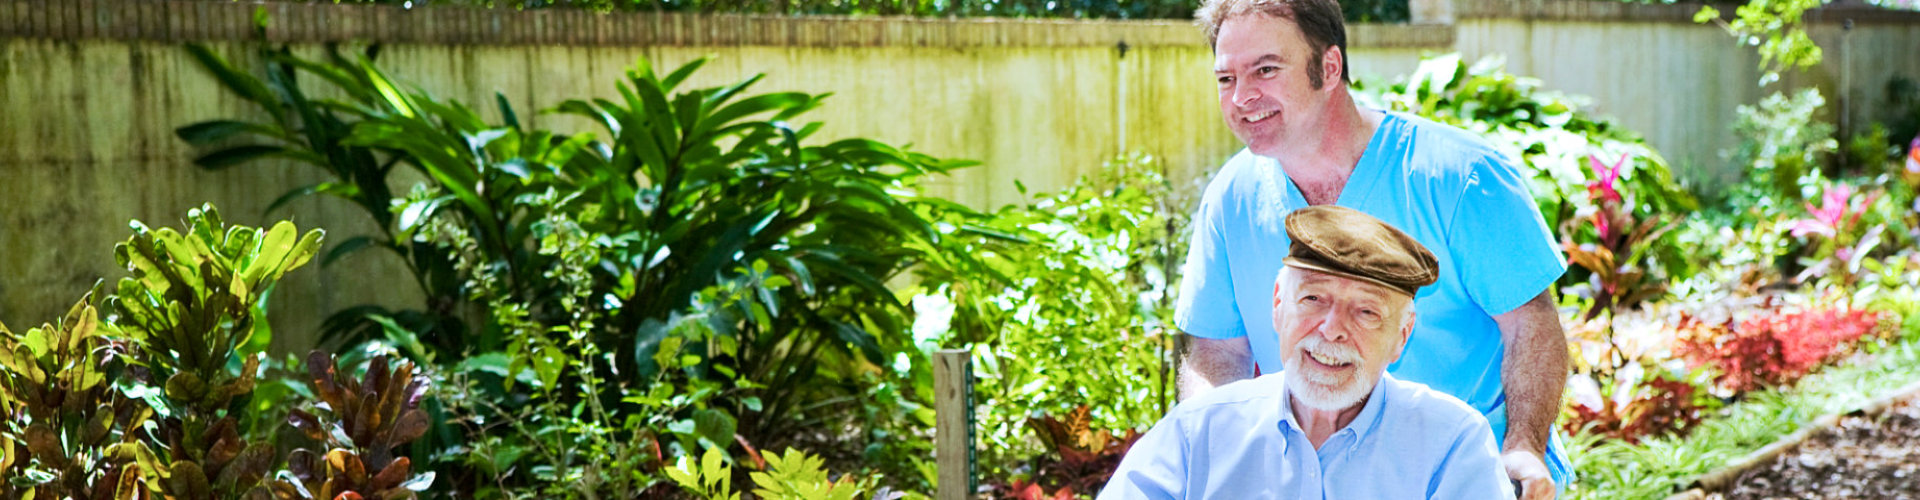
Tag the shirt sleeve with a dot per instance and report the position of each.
(1206, 307)
(1472, 467)
(1155, 468)
(1505, 252)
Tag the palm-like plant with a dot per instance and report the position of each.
(705, 223)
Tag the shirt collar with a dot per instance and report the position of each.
(1361, 425)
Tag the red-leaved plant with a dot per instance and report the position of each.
(1774, 347)
(367, 419)
(1086, 457)
(1835, 240)
(1619, 245)
(1658, 406)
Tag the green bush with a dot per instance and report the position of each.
(157, 399)
(1068, 309)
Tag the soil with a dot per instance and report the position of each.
(1875, 456)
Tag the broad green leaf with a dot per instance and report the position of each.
(212, 131)
(237, 155)
(247, 86)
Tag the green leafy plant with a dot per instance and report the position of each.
(1784, 143)
(302, 130)
(194, 299)
(64, 411)
(796, 475)
(793, 475)
(365, 420)
(712, 479)
(1775, 28)
(1092, 258)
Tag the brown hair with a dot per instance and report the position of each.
(1320, 20)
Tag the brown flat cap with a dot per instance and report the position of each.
(1343, 241)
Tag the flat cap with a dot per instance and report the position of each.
(1343, 241)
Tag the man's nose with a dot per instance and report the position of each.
(1332, 325)
(1244, 95)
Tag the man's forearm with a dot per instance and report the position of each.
(1214, 362)
(1534, 372)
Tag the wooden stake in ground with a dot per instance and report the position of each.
(953, 431)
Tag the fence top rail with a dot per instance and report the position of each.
(321, 22)
(1683, 12)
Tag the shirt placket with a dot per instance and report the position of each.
(1331, 455)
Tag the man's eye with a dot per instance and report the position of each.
(1268, 70)
(1226, 80)
(1310, 298)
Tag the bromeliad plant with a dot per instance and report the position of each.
(1837, 244)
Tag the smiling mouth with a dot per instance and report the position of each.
(1258, 117)
(1329, 361)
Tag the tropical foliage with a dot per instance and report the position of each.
(644, 309)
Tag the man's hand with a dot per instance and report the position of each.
(1530, 470)
(1214, 362)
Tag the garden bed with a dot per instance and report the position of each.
(1865, 455)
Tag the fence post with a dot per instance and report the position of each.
(953, 430)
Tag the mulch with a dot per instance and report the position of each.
(1864, 457)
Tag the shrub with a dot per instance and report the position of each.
(1775, 347)
(64, 412)
(156, 399)
(1063, 307)
(1656, 406)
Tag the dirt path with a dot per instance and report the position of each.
(1874, 457)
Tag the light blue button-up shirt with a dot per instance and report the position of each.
(1241, 441)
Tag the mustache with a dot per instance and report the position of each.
(1316, 346)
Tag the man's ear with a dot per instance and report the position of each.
(1330, 69)
(1406, 333)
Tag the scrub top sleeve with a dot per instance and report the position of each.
(1206, 306)
(1505, 252)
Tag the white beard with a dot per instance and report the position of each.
(1327, 391)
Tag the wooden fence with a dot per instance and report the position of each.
(90, 91)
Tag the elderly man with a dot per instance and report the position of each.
(1332, 425)
(1489, 333)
